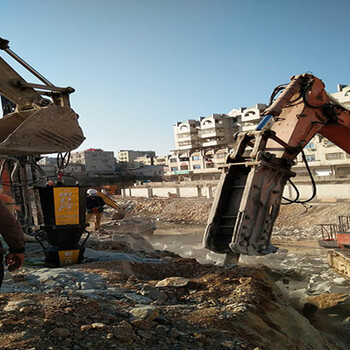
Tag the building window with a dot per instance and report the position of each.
(220, 155)
(310, 145)
(310, 158)
(173, 160)
(328, 143)
(196, 158)
(196, 167)
(174, 168)
(333, 156)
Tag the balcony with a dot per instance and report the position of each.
(212, 132)
(187, 145)
(187, 137)
(251, 116)
(210, 143)
(189, 130)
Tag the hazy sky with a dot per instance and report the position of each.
(139, 66)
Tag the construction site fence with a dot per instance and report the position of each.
(326, 192)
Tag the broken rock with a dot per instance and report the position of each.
(60, 332)
(125, 332)
(325, 301)
(173, 282)
(147, 313)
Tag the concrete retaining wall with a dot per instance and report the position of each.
(325, 191)
(163, 192)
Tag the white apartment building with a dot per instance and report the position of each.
(197, 142)
(248, 118)
(217, 130)
(197, 161)
(202, 146)
(95, 160)
(126, 158)
(324, 159)
(186, 134)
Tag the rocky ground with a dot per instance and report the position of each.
(163, 291)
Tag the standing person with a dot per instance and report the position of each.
(12, 233)
(94, 206)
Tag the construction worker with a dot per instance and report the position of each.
(94, 207)
(12, 233)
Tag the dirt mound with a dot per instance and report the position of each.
(217, 308)
(197, 210)
(174, 210)
(146, 298)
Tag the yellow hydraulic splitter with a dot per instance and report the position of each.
(63, 209)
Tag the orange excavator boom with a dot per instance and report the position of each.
(250, 190)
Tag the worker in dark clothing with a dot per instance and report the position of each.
(94, 207)
(12, 233)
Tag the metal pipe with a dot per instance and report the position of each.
(27, 66)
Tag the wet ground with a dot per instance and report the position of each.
(299, 268)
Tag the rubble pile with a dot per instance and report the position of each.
(154, 299)
(313, 214)
(296, 233)
(138, 293)
(174, 210)
(196, 210)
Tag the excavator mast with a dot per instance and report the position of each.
(37, 119)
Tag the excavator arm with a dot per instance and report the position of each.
(41, 121)
(250, 190)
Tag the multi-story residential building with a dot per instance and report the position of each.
(74, 168)
(217, 130)
(186, 134)
(202, 146)
(324, 158)
(197, 161)
(161, 160)
(48, 161)
(248, 118)
(95, 160)
(49, 166)
(146, 171)
(213, 131)
(126, 158)
(198, 141)
(143, 160)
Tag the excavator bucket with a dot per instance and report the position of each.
(48, 130)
